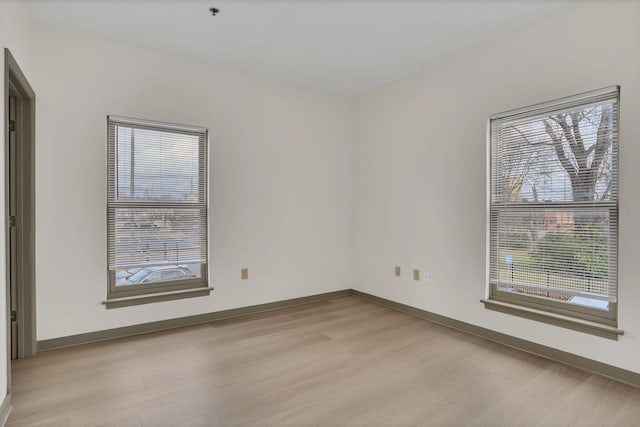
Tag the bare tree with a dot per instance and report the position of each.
(583, 163)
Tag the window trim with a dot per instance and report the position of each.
(143, 293)
(156, 297)
(567, 315)
(574, 310)
(156, 287)
(546, 316)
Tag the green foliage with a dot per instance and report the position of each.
(516, 240)
(568, 252)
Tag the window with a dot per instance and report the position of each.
(156, 208)
(553, 207)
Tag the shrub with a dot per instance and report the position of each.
(563, 251)
(516, 240)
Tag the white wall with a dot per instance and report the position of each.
(420, 165)
(282, 170)
(16, 35)
(280, 190)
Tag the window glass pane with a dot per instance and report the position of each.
(555, 253)
(158, 274)
(561, 157)
(156, 165)
(149, 236)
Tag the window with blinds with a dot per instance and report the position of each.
(156, 206)
(553, 206)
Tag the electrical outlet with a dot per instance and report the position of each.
(244, 273)
(425, 276)
(396, 271)
(416, 274)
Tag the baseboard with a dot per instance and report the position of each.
(5, 409)
(583, 363)
(126, 331)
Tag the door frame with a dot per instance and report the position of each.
(16, 84)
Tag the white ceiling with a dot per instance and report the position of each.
(346, 48)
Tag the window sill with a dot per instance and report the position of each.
(585, 326)
(156, 297)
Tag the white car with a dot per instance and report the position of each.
(157, 274)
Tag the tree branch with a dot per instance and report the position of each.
(603, 140)
(557, 145)
(606, 190)
(576, 148)
(575, 126)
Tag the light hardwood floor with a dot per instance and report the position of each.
(341, 362)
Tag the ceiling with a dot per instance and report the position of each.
(346, 48)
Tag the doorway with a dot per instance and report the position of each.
(19, 165)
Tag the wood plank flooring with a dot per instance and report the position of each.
(344, 362)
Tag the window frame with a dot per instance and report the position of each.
(143, 293)
(563, 314)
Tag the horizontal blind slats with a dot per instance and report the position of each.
(554, 200)
(157, 194)
(568, 250)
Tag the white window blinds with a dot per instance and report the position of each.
(157, 194)
(554, 198)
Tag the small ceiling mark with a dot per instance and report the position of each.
(214, 11)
